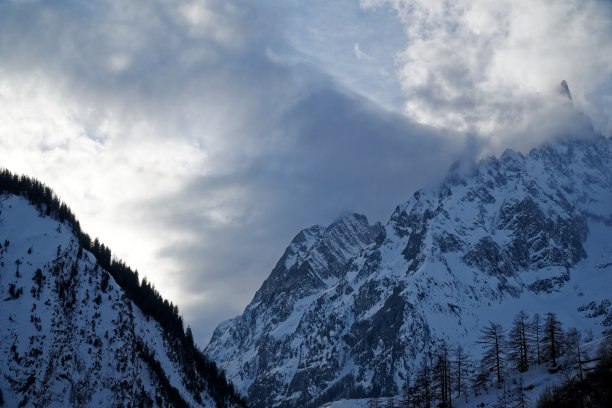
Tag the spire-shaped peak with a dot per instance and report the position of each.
(564, 90)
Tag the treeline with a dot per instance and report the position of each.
(448, 372)
(142, 293)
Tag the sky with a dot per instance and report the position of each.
(195, 138)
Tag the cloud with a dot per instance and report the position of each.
(196, 138)
(325, 33)
(194, 143)
(360, 54)
(116, 105)
(492, 68)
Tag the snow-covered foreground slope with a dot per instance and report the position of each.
(69, 336)
(535, 382)
(350, 309)
(531, 384)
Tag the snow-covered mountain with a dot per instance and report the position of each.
(350, 309)
(70, 335)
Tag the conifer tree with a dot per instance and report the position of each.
(535, 336)
(492, 338)
(461, 368)
(517, 342)
(189, 338)
(423, 385)
(577, 358)
(441, 375)
(551, 338)
(480, 379)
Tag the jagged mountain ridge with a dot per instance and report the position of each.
(73, 335)
(528, 232)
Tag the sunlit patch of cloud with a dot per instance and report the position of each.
(493, 68)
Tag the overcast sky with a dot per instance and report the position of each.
(196, 138)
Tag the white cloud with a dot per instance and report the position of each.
(360, 54)
(204, 21)
(491, 67)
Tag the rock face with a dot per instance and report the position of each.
(70, 336)
(350, 309)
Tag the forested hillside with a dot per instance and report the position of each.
(83, 329)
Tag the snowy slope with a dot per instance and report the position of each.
(533, 383)
(530, 232)
(69, 335)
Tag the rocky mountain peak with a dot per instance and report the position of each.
(564, 90)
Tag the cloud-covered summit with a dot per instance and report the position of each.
(491, 67)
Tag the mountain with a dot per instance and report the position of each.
(78, 327)
(349, 310)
